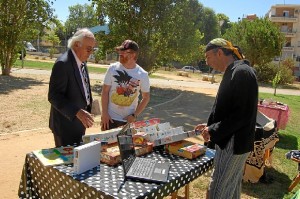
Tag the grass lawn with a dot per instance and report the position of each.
(48, 66)
(283, 170)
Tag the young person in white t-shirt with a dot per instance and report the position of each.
(124, 82)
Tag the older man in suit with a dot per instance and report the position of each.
(70, 92)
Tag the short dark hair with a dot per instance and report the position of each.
(228, 52)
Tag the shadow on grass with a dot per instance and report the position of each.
(11, 83)
(287, 142)
(276, 189)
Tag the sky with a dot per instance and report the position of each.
(62, 7)
(234, 9)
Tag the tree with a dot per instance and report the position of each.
(165, 30)
(81, 16)
(224, 23)
(260, 39)
(54, 40)
(19, 21)
(286, 69)
(284, 74)
(209, 25)
(60, 31)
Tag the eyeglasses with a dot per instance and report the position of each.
(89, 49)
(124, 52)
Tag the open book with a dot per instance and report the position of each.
(55, 156)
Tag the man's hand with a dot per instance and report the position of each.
(200, 127)
(130, 118)
(105, 118)
(85, 118)
(203, 129)
(205, 134)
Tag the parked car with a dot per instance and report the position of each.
(190, 69)
(29, 47)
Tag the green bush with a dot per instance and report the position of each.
(99, 55)
(286, 75)
(52, 51)
(266, 72)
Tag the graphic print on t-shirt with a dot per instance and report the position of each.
(126, 91)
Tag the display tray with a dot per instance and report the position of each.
(112, 154)
(186, 149)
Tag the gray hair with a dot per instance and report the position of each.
(79, 36)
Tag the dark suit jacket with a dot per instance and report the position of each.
(67, 97)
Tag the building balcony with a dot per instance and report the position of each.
(288, 49)
(289, 33)
(297, 73)
(283, 19)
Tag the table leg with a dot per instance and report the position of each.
(267, 158)
(279, 120)
(174, 195)
(187, 191)
(295, 181)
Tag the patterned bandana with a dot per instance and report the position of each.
(222, 43)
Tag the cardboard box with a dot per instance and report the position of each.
(175, 137)
(110, 136)
(185, 149)
(170, 139)
(143, 123)
(112, 154)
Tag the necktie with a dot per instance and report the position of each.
(86, 82)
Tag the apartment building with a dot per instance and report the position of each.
(287, 16)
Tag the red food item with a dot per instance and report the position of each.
(120, 90)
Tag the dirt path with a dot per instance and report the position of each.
(13, 149)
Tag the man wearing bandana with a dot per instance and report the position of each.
(231, 125)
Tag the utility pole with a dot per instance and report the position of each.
(38, 42)
(22, 55)
(66, 43)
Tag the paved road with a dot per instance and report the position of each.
(168, 83)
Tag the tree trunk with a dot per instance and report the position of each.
(6, 66)
(275, 91)
(6, 70)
